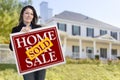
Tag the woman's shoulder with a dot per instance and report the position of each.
(15, 29)
(37, 26)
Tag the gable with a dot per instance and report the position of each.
(107, 37)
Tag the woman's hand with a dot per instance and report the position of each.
(25, 29)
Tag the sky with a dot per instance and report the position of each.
(107, 11)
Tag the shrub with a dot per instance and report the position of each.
(3, 40)
(118, 57)
(97, 57)
(81, 61)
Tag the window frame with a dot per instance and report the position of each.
(103, 32)
(65, 26)
(73, 30)
(89, 30)
(114, 35)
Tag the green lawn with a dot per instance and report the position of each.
(73, 70)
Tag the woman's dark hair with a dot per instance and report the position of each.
(35, 17)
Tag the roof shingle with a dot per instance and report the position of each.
(72, 16)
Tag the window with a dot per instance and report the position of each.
(75, 51)
(103, 32)
(90, 32)
(103, 52)
(89, 50)
(75, 30)
(114, 52)
(75, 48)
(119, 36)
(114, 34)
(61, 26)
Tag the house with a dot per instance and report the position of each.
(85, 37)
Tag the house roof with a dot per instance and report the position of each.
(72, 16)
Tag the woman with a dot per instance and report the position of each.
(27, 21)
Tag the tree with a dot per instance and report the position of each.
(9, 15)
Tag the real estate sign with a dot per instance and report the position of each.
(38, 49)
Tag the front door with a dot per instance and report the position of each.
(103, 53)
(75, 50)
(114, 53)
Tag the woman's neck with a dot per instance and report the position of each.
(27, 24)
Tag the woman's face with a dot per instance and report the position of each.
(28, 16)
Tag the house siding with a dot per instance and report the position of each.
(86, 41)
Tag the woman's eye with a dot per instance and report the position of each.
(26, 13)
(31, 13)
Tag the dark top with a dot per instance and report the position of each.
(18, 29)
